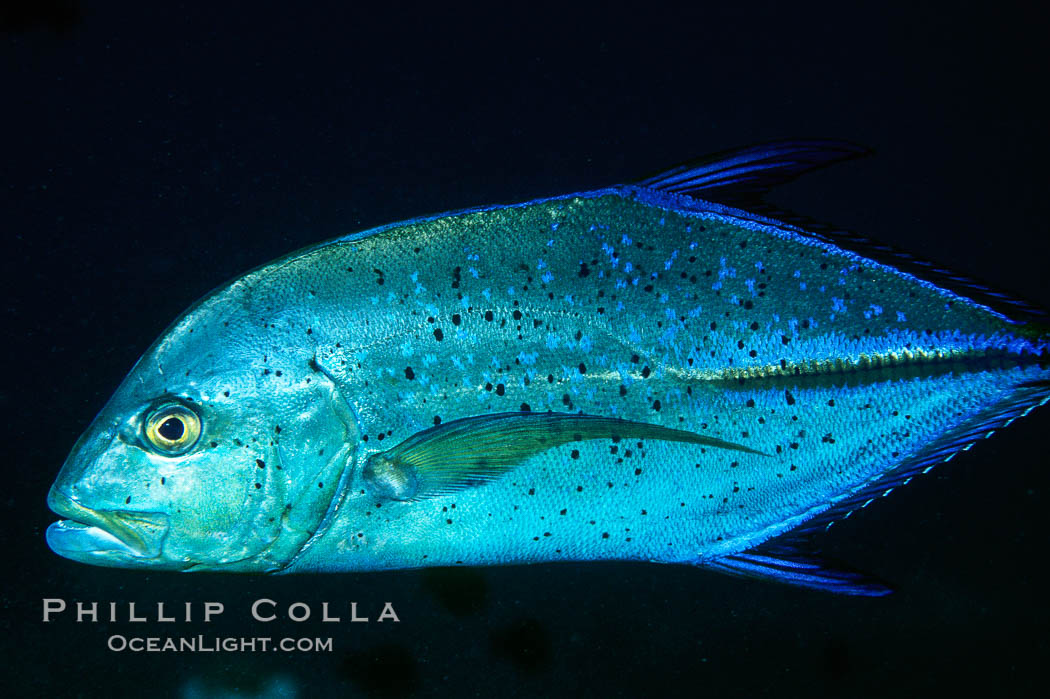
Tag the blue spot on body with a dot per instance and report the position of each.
(528, 358)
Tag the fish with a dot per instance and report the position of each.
(666, 371)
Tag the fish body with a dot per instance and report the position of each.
(632, 373)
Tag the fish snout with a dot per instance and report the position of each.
(86, 532)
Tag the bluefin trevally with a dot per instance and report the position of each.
(632, 373)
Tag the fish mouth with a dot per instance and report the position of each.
(88, 534)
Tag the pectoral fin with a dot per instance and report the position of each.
(476, 450)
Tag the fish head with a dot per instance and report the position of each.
(211, 455)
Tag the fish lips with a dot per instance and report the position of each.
(114, 537)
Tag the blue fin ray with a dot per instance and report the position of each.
(741, 177)
(1008, 305)
(782, 559)
(1026, 398)
(750, 172)
(786, 565)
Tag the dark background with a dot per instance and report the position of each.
(150, 154)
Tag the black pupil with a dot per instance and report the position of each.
(171, 429)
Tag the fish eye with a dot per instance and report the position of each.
(172, 429)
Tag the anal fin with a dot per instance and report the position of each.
(787, 565)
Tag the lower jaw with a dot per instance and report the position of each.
(87, 544)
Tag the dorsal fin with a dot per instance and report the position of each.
(741, 177)
(744, 175)
(1010, 306)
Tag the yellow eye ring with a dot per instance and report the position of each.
(172, 429)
